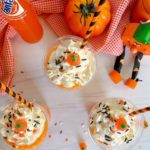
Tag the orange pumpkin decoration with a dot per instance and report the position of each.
(20, 125)
(141, 11)
(73, 59)
(79, 14)
(121, 124)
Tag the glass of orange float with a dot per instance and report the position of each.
(111, 126)
(67, 65)
(22, 128)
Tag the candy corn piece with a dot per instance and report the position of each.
(83, 146)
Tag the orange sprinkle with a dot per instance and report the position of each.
(122, 102)
(34, 131)
(113, 131)
(22, 135)
(21, 106)
(83, 145)
(111, 118)
(7, 124)
(92, 130)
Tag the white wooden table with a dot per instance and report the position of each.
(70, 108)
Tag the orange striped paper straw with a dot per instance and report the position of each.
(15, 95)
(92, 24)
(139, 111)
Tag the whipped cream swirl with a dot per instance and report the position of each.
(104, 120)
(30, 124)
(62, 73)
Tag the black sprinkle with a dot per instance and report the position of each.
(78, 66)
(118, 132)
(67, 52)
(100, 122)
(28, 130)
(108, 138)
(29, 119)
(60, 132)
(104, 105)
(127, 130)
(7, 125)
(125, 109)
(100, 104)
(105, 143)
(125, 139)
(4, 116)
(83, 59)
(55, 124)
(108, 115)
(129, 140)
(9, 120)
(77, 77)
(57, 62)
(38, 116)
(99, 111)
(36, 122)
(61, 67)
(48, 63)
(22, 72)
(35, 125)
(61, 58)
(7, 131)
(91, 122)
(13, 85)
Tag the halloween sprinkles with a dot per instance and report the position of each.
(69, 66)
(21, 126)
(110, 122)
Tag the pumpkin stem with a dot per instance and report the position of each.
(86, 10)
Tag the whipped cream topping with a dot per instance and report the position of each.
(104, 128)
(21, 126)
(63, 73)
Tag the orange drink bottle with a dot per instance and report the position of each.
(22, 16)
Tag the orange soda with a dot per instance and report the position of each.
(22, 16)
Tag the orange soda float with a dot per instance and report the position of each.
(23, 128)
(111, 126)
(67, 65)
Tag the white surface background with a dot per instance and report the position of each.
(72, 107)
